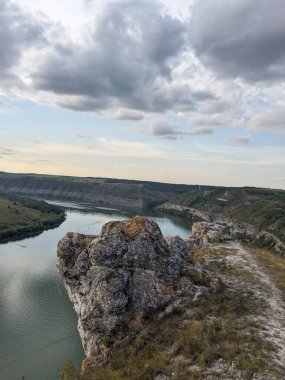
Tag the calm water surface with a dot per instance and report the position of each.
(37, 321)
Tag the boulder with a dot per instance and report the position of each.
(118, 279)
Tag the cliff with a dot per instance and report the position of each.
(120, 279)
(137, 194)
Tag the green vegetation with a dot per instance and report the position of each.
(262, 208)
(20, 217)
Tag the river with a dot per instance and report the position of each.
(37, 322)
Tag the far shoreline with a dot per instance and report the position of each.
(22, 218)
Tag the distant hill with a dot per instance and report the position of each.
(109, 191)
(261, 208)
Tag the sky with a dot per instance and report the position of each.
(191, 91)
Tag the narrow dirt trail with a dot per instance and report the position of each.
(273, 318)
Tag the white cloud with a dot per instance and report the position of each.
(272, 119)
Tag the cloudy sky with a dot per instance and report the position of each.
(191, 91)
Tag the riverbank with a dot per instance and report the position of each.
(21, 218)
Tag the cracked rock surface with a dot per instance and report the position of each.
(116, 280)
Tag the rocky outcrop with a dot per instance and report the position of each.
(204, 233)
(270, 241)
(118, 279)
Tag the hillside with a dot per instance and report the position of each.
(20, 218)
(155, 308)
(263, 209)
(137, 194)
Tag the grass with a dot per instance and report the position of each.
(21, 217)
(218, 327)
(223, 333)
(273, 265)
(240, 273)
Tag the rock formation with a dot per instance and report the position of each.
(120, 278)
(204, 233)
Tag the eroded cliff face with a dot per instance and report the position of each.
(137, 194)
(118, 279)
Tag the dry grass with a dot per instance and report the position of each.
(221, 327)
(221, 252)
(273, 265)
(217, 327)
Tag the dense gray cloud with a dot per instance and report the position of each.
(241, 38)
(154, 97)
(19, 30)
(127, 61)
(139, 57)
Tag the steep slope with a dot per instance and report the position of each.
(137, 194)
(256, 209)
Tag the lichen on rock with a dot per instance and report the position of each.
(117, 280)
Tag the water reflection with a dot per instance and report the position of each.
(37, 322)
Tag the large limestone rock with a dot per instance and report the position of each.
(116, 280)
(204, 233)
